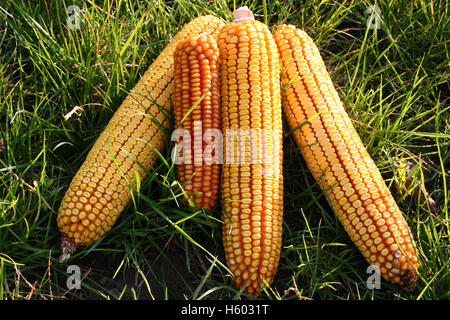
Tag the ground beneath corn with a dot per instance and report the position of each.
(167, 277)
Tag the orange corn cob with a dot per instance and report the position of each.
(103, 185)
(251, 188)
(339, 161)
(197, 82)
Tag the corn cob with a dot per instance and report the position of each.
(104, 184)
(197, 87)
(339, 161)
(251, 188)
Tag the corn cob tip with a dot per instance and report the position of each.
(68, 247)
(243, 14)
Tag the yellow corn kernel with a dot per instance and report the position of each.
(196, 105)
(353, 183)
(135, 129)
(252, 179)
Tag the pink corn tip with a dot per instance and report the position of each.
(243, 14)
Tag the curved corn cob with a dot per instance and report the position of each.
(251, 188)
(197, 82)
(339, 161)
(103, 185)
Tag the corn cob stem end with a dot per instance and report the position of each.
(243, 14)
(68, 247)
(409, 280)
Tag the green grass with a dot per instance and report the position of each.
(393, 81)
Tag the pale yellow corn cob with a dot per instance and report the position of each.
(339, 161)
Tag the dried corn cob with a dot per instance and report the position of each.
(251, 186)
(103, 185)
(339, 161)
(196, 105)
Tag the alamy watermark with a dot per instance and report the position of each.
(374, 280)
(232, 146)
(374, 17)
(373, 20)
(74, 17)
(74, 279)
